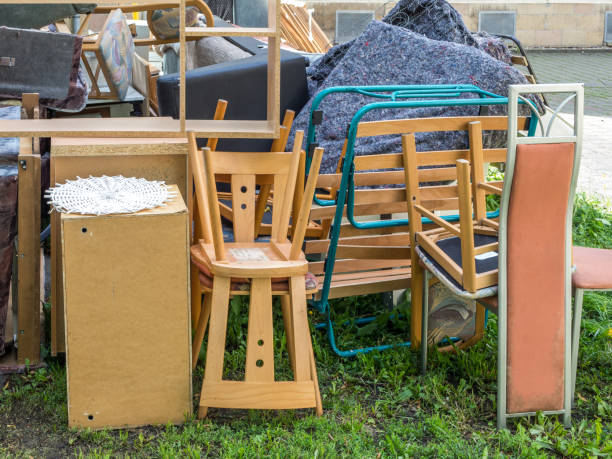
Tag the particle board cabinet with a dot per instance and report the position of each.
(127, 315)
(152, 159)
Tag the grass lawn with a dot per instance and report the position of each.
(375, 405)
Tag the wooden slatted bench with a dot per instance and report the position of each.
(378, 259)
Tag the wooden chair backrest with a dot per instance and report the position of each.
(279, 169)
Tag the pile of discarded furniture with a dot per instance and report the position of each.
(378, 184)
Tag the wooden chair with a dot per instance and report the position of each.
(259, 269)
(532, 297)
(456, 248)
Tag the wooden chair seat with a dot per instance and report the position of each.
(242, 285)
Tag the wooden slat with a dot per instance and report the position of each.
(321, 245)
(28, 260)
(136, 127)
(360, 210)
(519, 60)
(428, 158)
(351, 265)
(373, 253)
(493, 247)
(375, 285)
(201, 32)
(439, 221)
(252, 395)
(387, 127)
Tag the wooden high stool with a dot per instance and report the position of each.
(259, 269)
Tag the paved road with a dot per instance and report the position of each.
(594, 69)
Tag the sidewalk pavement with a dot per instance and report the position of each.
(594, 69)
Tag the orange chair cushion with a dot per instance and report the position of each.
(536, 276)
(593, 268)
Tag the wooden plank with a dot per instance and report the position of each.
(373, 253)
(426, 158)
(200, 32)
(260, 337)
(519, 60)
(252, 395)
(321, 245)
(476, 158)
(459, 123)
(439, 221)
(493, 247)
(377, 285)
(318, 213)
(352, 265)
(243, 207)
(136, 127)
(28, 254)
(466, 224)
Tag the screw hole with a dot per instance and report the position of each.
(90, 417)
(259, 363)
(243, 189)
(260, 342)
(84, 230)
(243, 206)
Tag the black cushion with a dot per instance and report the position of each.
(452, 247)
(243, 83)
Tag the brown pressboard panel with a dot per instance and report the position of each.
(127, 315)
(536, 277)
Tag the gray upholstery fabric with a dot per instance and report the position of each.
(389, 55)
(435, 19)
(36, 16)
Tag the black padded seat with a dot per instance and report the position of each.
(452, 248)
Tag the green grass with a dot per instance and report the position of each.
(376, 405)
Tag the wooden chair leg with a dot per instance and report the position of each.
(196, 296)
(288, 321)
(215, 351)
(260, 337)
(416, 299)
(301, 332)
(315, 379)
(424, 320)
(200, 330)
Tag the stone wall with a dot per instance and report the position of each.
(541, 24)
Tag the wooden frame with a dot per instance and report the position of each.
(28, 250)
(166, 127)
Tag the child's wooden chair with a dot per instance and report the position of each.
(464, 254)
(259, 269)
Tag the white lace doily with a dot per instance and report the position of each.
(108, 195)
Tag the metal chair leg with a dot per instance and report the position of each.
(576, 319)
(424, 324)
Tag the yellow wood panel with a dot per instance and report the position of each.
(127, 317)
